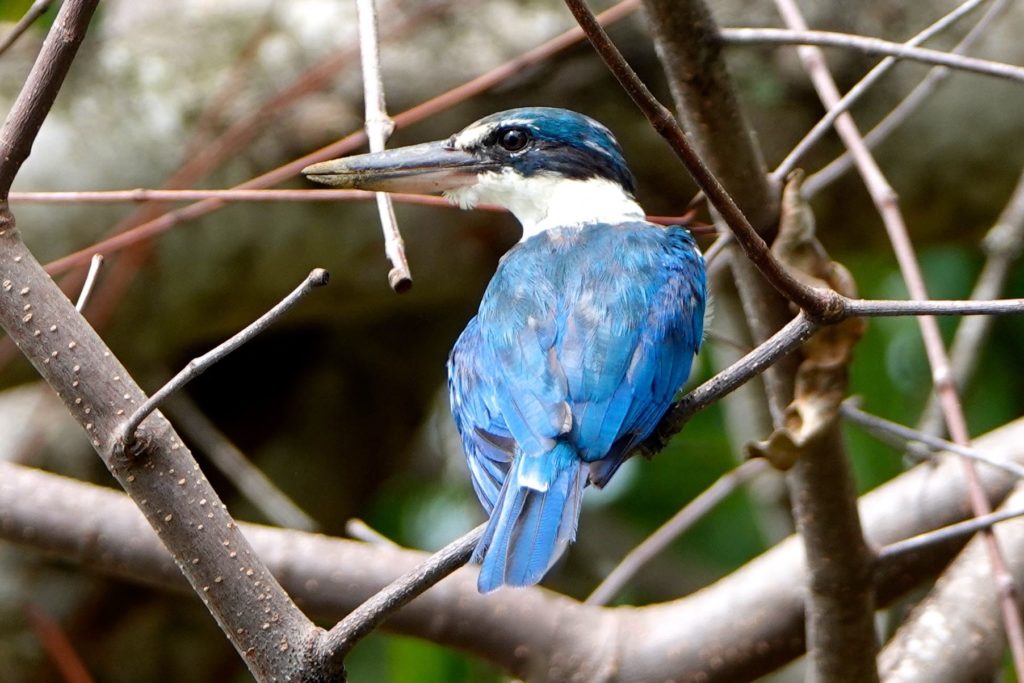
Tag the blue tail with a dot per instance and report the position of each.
(533, 520)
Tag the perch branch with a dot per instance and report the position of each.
(340, 640)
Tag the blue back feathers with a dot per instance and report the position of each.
(582, 340)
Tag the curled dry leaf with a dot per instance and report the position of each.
(823, 372)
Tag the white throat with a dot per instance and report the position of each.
(542, 202)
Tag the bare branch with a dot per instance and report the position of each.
(675, 527)
(901, 112)
(340, 640)
(37, 10)
(378, 129)
(529, 632)
(819, 304)
(879, 425)
(823, 126)
(887, 205)
(871, 46)
(1003, 245)
(886, 308)
(40, 89)
(348, 143)
(948, 533)
(90, 281)
(955, 633)
(164, 480)
(126, 433)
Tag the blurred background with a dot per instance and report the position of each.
(342, 403)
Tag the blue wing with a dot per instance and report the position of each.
(582, 340)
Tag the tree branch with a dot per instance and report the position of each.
(41, 87)
(871, 46)
(887, 205)
(164, 480)
(530, 631)
(379, 127)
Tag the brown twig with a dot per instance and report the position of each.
(819, 304)
(53, 639)
(1003, 245)
(346, 144)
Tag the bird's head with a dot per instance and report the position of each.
(549, 167)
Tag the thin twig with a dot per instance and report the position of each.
(886, 202)
(90, 282)
(37, 10)
(340, 640)
(361, 531)
(256, 487)
(871, 46)
(424, 110)
(879, 425)
(823, 126)
(818, 304)
(902, 111)
(318, 277)
(874, 308)
(379, 127)
(229, 195)
(1003, 245)
(57, 645)
(675, 527)
(947, 533)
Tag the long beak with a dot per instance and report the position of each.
(425, 169)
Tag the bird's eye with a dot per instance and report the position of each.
(513, 139)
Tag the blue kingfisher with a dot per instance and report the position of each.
(584, 335)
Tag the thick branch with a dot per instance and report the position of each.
(529, 632)
(164, 479)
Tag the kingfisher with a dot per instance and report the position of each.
(584, 335)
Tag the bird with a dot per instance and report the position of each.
(584, 336)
